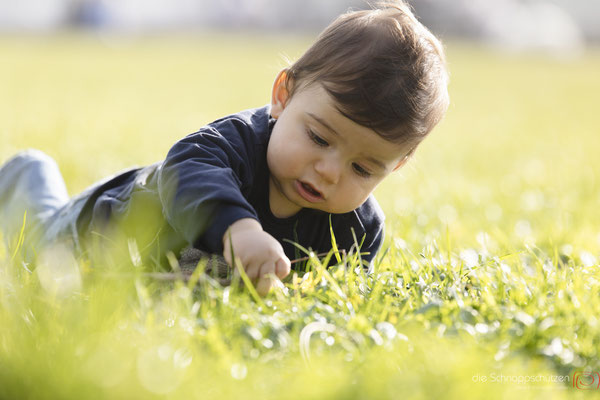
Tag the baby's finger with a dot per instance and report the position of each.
(265, 281)
(253, 271)
(264, 285)
(283, 267)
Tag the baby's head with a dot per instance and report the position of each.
(366, 93)
(383, 69)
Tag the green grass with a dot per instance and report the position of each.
(490, 269)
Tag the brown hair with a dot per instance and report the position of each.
(383, 68)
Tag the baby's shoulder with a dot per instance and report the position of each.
(371, 210)
(254, 119)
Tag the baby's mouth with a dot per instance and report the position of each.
(311, 189)
(310, 193)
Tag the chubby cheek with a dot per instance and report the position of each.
(349, 197)
(282, 159)
(273, 160)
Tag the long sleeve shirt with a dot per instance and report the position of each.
(209, 180)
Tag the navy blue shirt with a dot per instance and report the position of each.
(209, 180)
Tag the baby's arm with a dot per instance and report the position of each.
(259, 253)
(201, 185)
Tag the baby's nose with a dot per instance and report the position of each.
(329, 169)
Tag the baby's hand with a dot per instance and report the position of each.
(259, 253)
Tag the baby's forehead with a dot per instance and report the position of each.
(321, 102)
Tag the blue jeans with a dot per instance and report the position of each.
(34, 198)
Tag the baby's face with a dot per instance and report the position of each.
(320, 159)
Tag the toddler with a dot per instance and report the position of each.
(350, 111)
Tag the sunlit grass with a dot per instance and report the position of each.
(490, 266)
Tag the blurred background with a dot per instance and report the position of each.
(102, 85)
(553, 25)
(511, 174)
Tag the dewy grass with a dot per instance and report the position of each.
(488, 284)
(421, 324)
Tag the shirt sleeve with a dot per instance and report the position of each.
(201, 181)
(372, 249)
(373, 221)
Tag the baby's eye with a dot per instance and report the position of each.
(319, 141)
(360, 170)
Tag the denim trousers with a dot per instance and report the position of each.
(34, 202)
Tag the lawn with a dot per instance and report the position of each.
(488, 284)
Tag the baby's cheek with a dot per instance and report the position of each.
(360, 195)
(288, 157)
(280, 165)
(274, 155)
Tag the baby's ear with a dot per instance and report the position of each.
(280, 95)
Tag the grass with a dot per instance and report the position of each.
(488, 286)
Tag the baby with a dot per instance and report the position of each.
(254, 184)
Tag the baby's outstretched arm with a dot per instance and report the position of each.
(259, 253)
